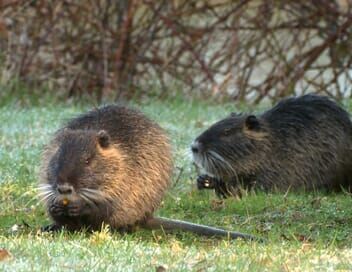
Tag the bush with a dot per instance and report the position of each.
(243, 50)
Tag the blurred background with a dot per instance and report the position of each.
(245, 50)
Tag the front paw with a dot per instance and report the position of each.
(225, 190)
(56, 210)
(51, 228)
(74, 210)
(206, 182)
(71, 210)
(222, 190)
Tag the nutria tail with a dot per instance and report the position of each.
(172, 224)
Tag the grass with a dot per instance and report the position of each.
(303, 232)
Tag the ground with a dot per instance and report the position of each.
(302, 232)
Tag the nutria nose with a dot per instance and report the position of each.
(64, 189)
(196, 147)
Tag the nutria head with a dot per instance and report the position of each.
(73, 187)
(230, 147)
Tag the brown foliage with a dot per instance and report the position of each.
(245, 49)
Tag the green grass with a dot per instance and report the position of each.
(303, 232)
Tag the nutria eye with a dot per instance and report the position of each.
(87, 161)
(227, 132)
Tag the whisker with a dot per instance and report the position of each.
(86, 198)
(211, 165)
(43, 186)
(220, 158)
(188, 152)
(229, 169)
(204, 163)
(95, 191)
(47, 197)
(45, 192)
(93, 194)
(44, 189)
(216, 167)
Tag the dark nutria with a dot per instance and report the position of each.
(111, 165)
(301, 143)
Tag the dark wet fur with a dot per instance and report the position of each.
(301, 143)
(111, 165)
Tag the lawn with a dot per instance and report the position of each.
(302, 232)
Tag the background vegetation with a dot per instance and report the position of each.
(245, 50)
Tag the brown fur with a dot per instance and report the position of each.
(136, 174)
(111, 165)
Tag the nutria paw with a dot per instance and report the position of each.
(51, 228)
(222, 190)
(206, 182)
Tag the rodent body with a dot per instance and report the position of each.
(301, 143)
(116, 165)
(111, 165)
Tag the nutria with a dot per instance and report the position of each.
(302, 143)
(111, 165)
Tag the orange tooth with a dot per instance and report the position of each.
(65, 201)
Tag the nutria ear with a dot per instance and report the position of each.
(103, 139)
(252, 122)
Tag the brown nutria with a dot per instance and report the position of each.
(301, 143)
(111, 165)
